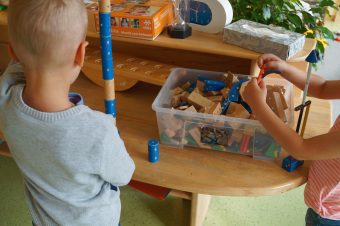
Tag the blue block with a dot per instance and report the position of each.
(234, 91)
(225, 106)
(153, 150)
(290, 164)
(211, 85)
(202, 78)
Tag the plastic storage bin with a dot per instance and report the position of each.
(245, 136)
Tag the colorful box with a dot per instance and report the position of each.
(143, 19)
(264, 38)
(191, 128)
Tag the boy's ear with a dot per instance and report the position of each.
(12, 53)
(80, 55)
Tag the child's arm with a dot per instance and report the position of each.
(325, 146)
(318, 87)
(117, 166)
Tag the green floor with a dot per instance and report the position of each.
(287, 209)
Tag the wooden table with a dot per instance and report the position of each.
(193, 173)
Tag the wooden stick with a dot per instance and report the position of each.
(304, 121)
(107, 57)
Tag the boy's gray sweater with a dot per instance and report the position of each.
(67, 159)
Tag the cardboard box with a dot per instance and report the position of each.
(143, 19)
(264, 38)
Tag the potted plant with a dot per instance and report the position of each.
(293, 15)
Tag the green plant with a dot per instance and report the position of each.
(291, 15)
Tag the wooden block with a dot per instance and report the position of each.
(197, 90)
(236, 136)
(225, 92)
(186, 86)
(169, 133)
(274, 102)
(281, 91)
(176, 124)
(218, 99)
(213, 93)
(198, 101)
(239, 112)
(230, 79)
(280, 109)
(191, 109)
(184, 96)
(231, 109)
(243, 86)
(196, 134)
(202, 110)
(200, 85)
(178, 90)
(215, 109)
(175, 100)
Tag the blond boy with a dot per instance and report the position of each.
(69, 155)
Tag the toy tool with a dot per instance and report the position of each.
(260, 75)
(264, 74)
(290, 163)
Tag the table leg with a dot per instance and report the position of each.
(199, 207)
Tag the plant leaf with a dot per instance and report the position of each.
(294, 19)
(326, 31)
(326, 3)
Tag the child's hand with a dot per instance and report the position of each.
(271, 61)
(255, 95)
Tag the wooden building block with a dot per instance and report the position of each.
(198, 101)
(178, 90)
(281, 91)
(191, 109)
(169, 133)
(225, 92)
(243, 86)
(280, 109)
(218, 99)
(236, 136)
(186, 86)
(215, 109)
(197, 90)
(176, 100)
(214, 93)
(196, 134)
(238, 112)
(230, 79)
(184, 96)
(200, 85)
(274, 102)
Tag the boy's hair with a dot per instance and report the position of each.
(46, 31)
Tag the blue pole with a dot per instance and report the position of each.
(107, 57)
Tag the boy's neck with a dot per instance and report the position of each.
(47, 93)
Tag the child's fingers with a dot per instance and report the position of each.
(262, 84)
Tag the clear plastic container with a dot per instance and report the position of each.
(243, 136)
